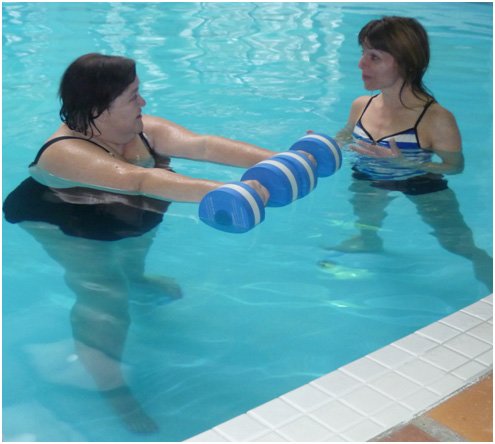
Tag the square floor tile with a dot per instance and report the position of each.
(416, 344)
(363, 431)
(241, 428)
(275, 412)
(395, 386)
(421, 372)
(337, 383)
(366, 400)
(364, 369)
(306, 398)
(468, 345)
(438, 332)
(444, 358)
(305, 429)
(337, 416)
(391, 356)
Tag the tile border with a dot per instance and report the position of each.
(373, 394)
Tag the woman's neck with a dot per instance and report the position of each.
(397, 97)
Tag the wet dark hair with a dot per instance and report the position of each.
(407, 41)
(88, 87)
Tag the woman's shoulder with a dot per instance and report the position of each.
(439, 116)
(158, 129)
(439, 112)
(361, 101)
(440, 127)
(358, 106)
(64, 136)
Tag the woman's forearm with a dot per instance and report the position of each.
(232, 152)
(166, 185)
(344, 136)
(451, 163)
(442, 168)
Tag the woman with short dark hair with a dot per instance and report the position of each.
(98, 189)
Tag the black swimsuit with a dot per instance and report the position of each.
(86, 212)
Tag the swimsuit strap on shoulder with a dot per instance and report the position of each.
(146, 142)
(366, 107)
(431, 102)
(57, 139)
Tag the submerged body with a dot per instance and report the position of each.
(404, 141)
(98, 190)
(84, 211)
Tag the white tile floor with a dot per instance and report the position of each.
(369, 396)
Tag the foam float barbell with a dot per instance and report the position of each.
(325, 150)
(287, 176)
(236, 207)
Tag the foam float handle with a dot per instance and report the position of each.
(287, 176)
(234, 207)
(325, 150)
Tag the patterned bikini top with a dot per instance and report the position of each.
(408, 143)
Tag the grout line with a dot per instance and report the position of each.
(354, 402)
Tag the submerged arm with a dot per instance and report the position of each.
(451, 163)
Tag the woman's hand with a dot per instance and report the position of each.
(392, 155)
(260, 189)
(374, 150)
(311, 158)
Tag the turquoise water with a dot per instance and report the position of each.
(259, 315)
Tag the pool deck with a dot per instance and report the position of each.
(465, 417)
(433, 385)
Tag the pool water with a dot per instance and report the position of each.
(267, 311)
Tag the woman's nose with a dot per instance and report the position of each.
(142, 102)
(361, 63)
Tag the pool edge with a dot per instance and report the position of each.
(380, 391)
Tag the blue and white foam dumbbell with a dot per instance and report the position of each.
(287, 176)
(325, 150)
(236, 207)
(233, 207)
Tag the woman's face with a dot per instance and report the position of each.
(379, 69)
(124, 114)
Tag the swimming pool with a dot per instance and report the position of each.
(260, 315)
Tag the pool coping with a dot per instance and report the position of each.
(373, 394)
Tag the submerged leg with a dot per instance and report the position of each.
(369, 206)
(441, 211)
(145, 288)
(99, 318)
(124, 403)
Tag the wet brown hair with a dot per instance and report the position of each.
(407, 41)
(88, 87)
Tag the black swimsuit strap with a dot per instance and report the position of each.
(146, 143)
(57, 139)
(366, 107)
(431, 102)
